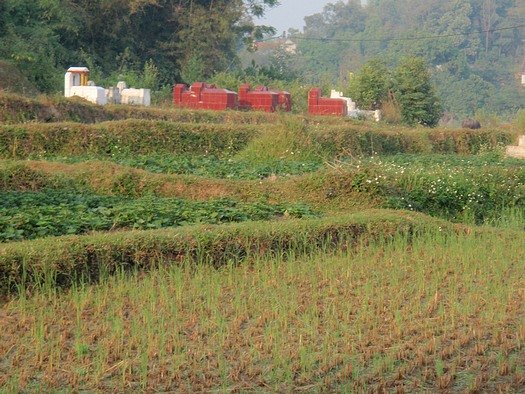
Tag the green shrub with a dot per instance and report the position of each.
(369, 87)
(415, 94)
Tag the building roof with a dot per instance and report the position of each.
(78, 70)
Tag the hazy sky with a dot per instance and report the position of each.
(291, 13)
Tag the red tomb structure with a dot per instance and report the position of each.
(204, 96)
(318, 105)
(263, 99)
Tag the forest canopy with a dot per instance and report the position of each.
(42, 37)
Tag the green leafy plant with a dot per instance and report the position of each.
(29, 215)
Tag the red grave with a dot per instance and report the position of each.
(263, 99)
(204, 96)
(318, 105)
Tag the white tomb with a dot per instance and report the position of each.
(76, 83)
(353, 111)
(95, 94)
(133, 96)
(349, 102)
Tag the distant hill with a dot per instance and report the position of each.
(13, 81)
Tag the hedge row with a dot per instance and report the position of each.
(121, 137)
(65, 260)
(366, 140)
(148, 136)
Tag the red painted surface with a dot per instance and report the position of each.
(285, 101)
(204, 96)
(318, 105)
(263, 99)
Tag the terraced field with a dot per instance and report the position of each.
(162, 250)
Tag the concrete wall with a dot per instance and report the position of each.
(95, 94)
(135, 97)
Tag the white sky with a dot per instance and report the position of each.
(291, 13)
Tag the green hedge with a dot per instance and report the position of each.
(149, 136)
(121, 137)
(367, 140)
(64, 260)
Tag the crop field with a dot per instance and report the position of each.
(162, 250)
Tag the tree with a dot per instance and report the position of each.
(34, 36)
(415, 94)
(43, 37)
(369, 87)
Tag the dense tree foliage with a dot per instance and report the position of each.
(369, 87)
(42, 37)
(474, 64)
(414, 92)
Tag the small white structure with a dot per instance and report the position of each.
(133, 96)
(95, 94)
(349, 102)
(77, 83)
(113, 95)
(353, 111)
(290, 47)
(517, 151)
(75, 76)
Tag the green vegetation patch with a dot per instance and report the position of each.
(31, 215)
(474, 189)
(12, 80)
(209, 166)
